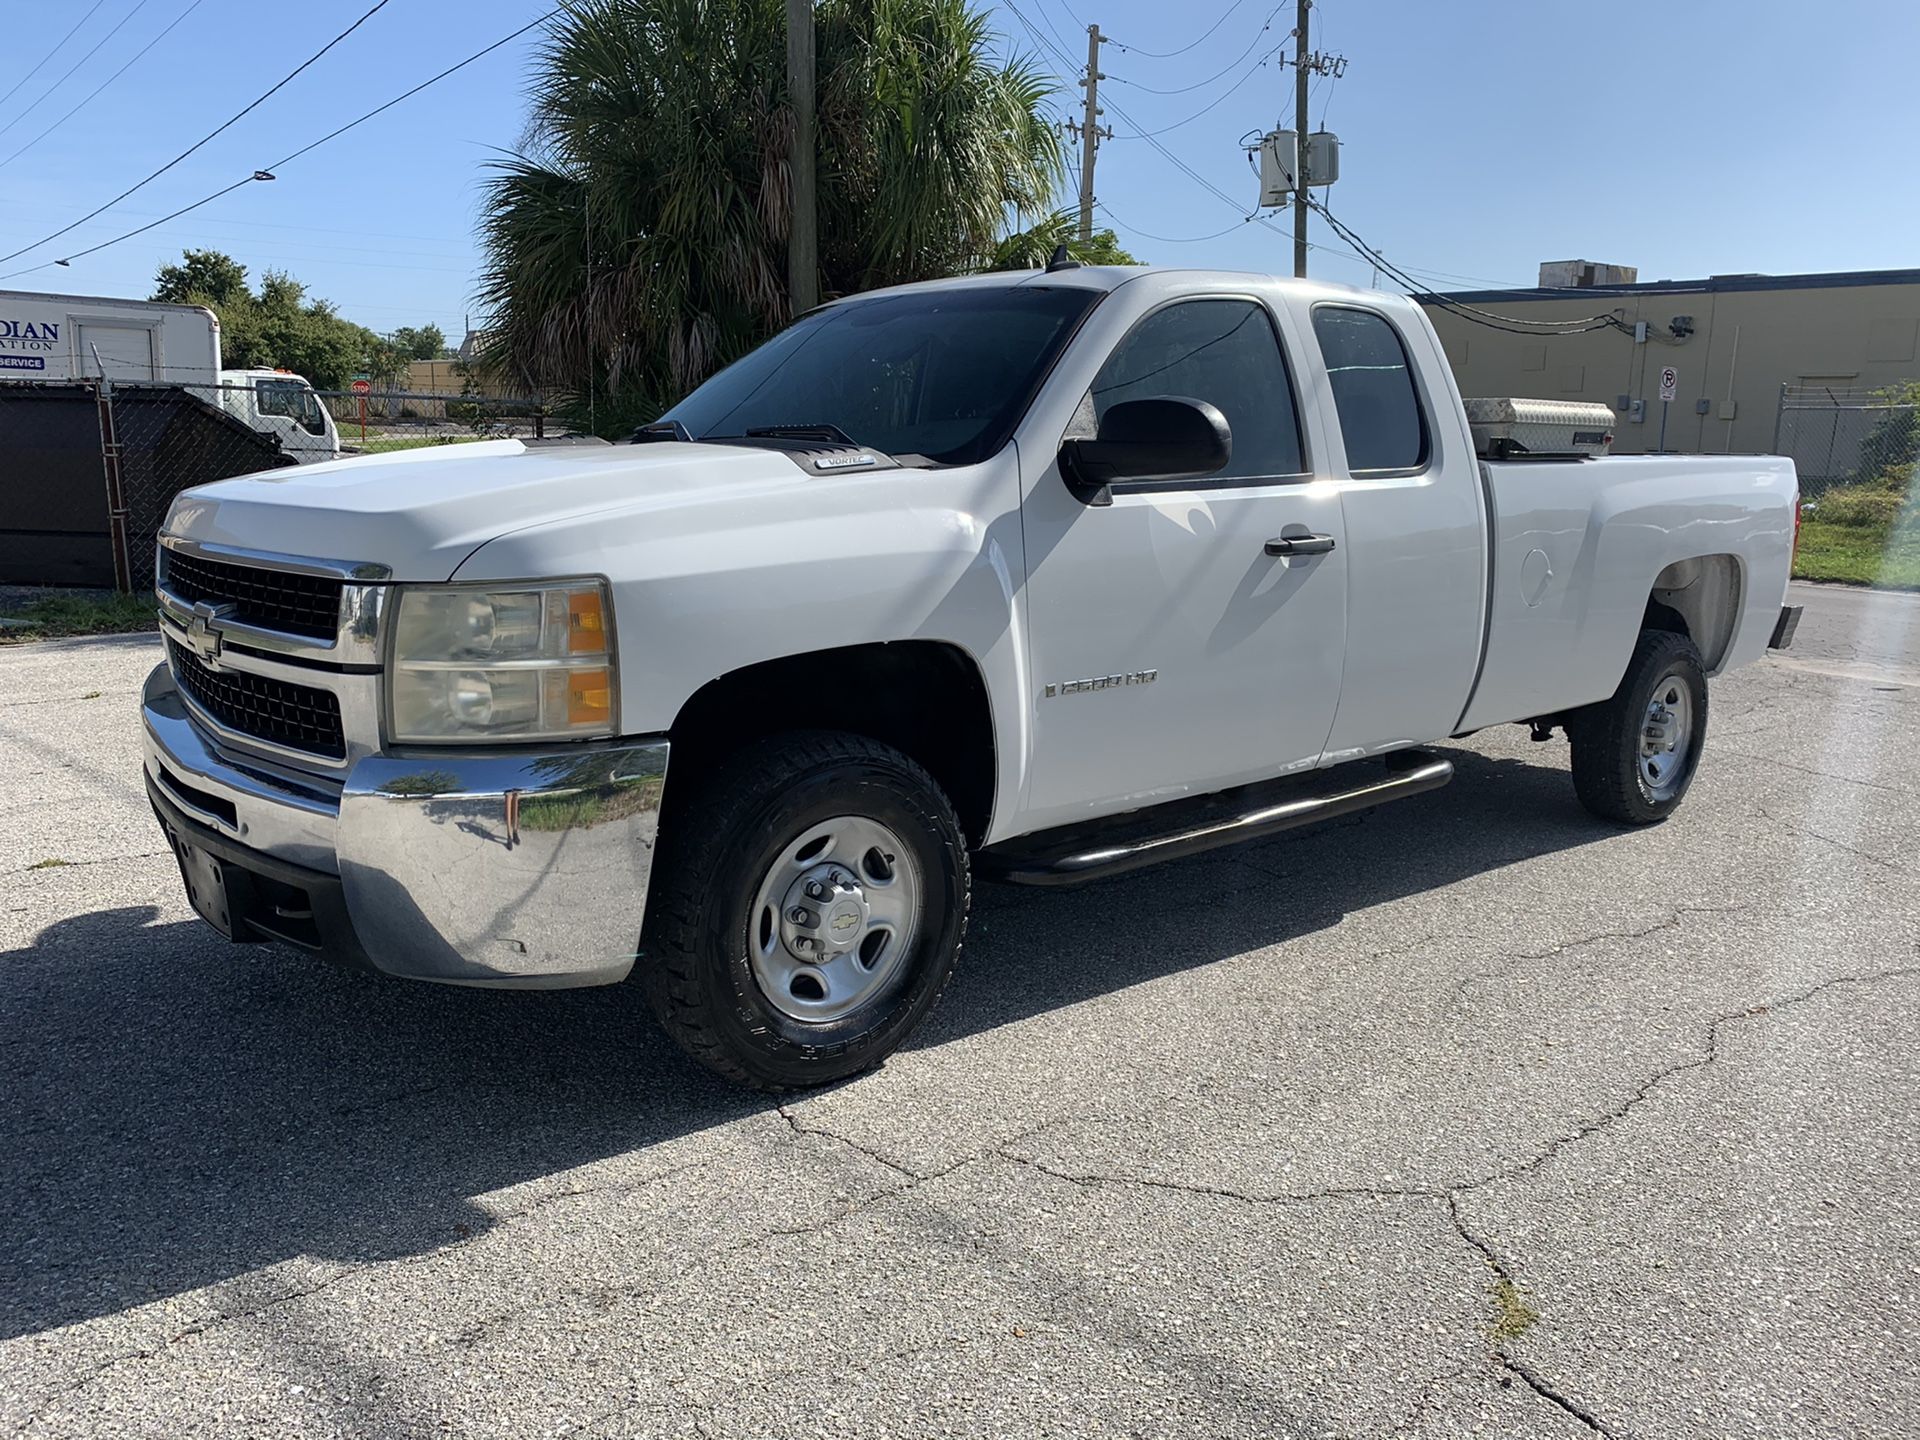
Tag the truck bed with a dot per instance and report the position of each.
(1578, 544)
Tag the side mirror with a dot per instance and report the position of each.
(1167, 438)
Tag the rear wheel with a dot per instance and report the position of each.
(807, 910)
(1635, 755)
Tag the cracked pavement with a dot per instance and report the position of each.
(1471, 1116)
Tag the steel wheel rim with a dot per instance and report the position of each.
(833, 918)
(1666, 736)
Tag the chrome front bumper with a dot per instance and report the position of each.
(512, 869)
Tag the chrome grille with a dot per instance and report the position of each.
(283, 600)
(298, 717)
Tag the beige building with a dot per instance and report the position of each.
(1733, 341)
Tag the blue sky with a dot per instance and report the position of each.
(1478, 139)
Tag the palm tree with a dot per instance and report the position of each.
(638, 240)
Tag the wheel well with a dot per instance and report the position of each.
(923, 697)
(1698, 598)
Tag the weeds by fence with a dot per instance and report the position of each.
(1849, 438)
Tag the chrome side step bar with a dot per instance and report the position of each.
(1075, 854)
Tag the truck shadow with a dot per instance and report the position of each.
(181, 1113)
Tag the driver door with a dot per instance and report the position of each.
(1172, 654)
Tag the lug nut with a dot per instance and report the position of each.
(802, 942)
(800, 915)
(815, 890)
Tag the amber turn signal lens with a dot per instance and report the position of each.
(589, 697)
(586, 626)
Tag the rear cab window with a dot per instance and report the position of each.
(1381, 418)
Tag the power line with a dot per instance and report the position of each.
(1216, 102)
(102, 85)
(1141, 133)
(1511, 324)
(51, 53)
(73, 67)
(310, 229)
(1169, 239)
(1169, 54)
(1252, 45)
(267, 174)
(1046, 20)
(409, 94)
(378, 6)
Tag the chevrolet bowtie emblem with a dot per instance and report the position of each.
(204, 637)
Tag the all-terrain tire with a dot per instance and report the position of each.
(696, 963)
(1612, 773)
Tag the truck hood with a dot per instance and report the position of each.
(421, 512)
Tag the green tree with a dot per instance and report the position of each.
(639, 242)
(204, 277)
(386, 363)
(1029, 249)
(424, 342)
(280, 328)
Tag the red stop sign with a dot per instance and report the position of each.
(361, 387)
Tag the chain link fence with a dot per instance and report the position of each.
(381, 420)
(1867, 439)
(93, 466)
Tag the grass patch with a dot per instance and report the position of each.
(1512, 1316)
(1863, 532)
(52, 862)
(77, 612)
(1886, 555)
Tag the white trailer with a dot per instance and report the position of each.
(93, 337)
(90, 337)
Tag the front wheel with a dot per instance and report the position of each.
(1635, 755)
(808, 908)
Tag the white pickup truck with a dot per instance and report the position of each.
(1044, 576)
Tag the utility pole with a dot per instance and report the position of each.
(1089, 129)
(1300, 65)
(803, 243)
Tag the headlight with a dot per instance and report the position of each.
(472, 663)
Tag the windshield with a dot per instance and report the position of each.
(293, 400)
(945, 374)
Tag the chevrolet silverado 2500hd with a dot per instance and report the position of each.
(1044, 575)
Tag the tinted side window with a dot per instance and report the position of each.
(1373, 392)
(1221, 351)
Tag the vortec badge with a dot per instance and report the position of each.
(205, 638)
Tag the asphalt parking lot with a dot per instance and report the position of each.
(1471, 1115)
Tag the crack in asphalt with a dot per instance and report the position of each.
(42, 866)
(1505, 1359)
(1675, 918)
(1450, 1194)
(1906, 790)
(1793, 827)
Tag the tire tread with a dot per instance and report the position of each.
(679, 898)
(1606, 736)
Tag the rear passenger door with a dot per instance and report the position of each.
(1172, 655)
(1415, 522)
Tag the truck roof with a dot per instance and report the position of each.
(1112, 277)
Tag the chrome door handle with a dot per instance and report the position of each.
(1300, 545)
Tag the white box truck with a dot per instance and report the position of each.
(91, 337)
